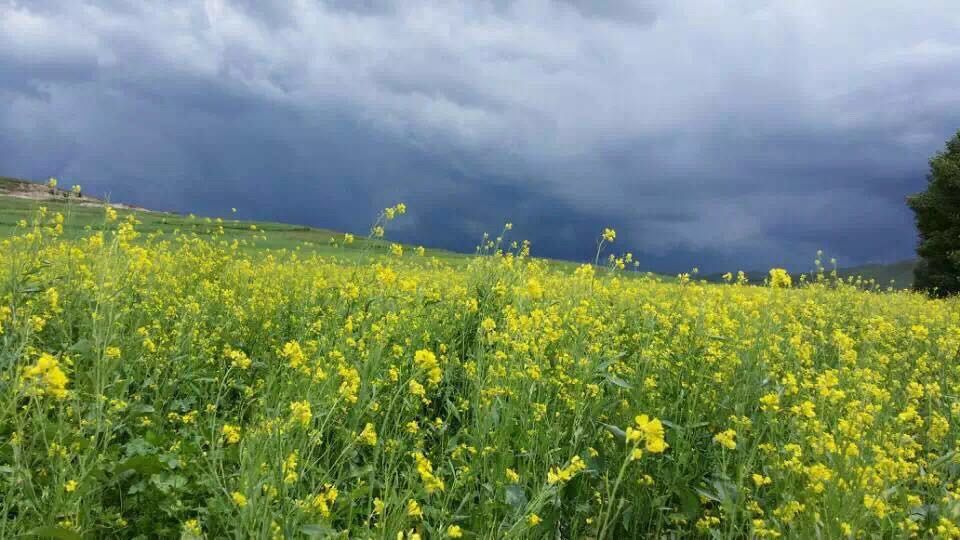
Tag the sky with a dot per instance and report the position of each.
(721, 135)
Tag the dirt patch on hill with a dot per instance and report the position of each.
(39, 192)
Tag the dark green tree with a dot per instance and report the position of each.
(937, 213)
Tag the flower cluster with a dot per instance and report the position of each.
(45, 378)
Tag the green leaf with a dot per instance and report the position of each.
(317, 530)
(495, 413)
(670, 424)
(357, 472)
(138, 447)
(707, 494)
(617, 432)
(81, 346)
(689, 502)
(54, 532)
(170, 460)
(141, 464)
(516, 498)
(602, 367)
(142, 408)
(617, 381)
(943, 459)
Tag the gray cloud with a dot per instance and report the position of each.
(712, 135)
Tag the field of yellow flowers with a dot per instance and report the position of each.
(170, 385)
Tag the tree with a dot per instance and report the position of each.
(937, 213)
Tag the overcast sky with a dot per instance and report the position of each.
(719, 134)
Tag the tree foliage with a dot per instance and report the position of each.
(937, 213)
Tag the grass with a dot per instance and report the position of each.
(258, 235)
(175, 378)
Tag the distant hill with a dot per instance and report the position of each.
(900, 272)
(35, 191)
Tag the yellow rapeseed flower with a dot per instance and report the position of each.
(231, 434)
(726, 439)
(300, 413)
(45, 377)
(368, 435)
(780, 278)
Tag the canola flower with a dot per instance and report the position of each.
(780, 278)
(161, 383)
(559, 475)
(609, 235)
(414, 510)
(301, 413)
(322, 503)
(726, 439)
(425, 469)
(238, 359)
(650, 432)
(231, 434)
(368, 436)
(45, 377)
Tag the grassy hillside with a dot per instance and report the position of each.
(254, 235)
(88, 213)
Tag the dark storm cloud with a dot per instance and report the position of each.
(722, 136)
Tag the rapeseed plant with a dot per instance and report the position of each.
(163, 384)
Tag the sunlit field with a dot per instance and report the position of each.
(182, 382)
